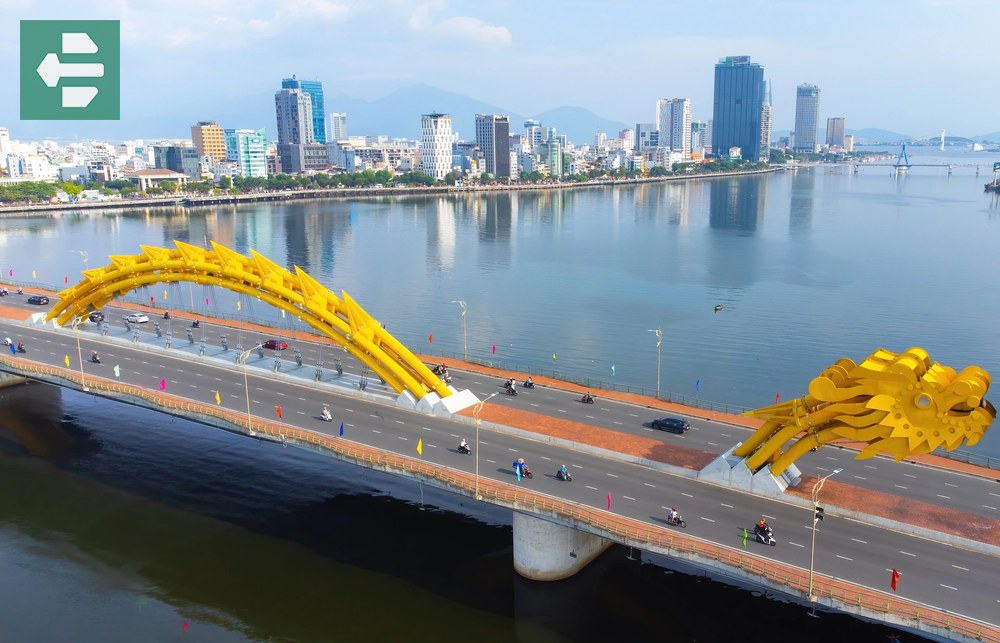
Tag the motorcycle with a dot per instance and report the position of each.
(196, 324)
(526, 472)
(511, 390)
(529, 384)
(587, 399)
(565, 476)
(95, 359)
(440, 369)
(20, 291)
(21, 348)
(166, 314)
(465, 448)
(326, 416)
(7, 341)
(765, 535)
(678, 521)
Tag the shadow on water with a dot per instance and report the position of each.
(250, 540)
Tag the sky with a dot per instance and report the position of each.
(910, 66)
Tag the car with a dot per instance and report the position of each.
(38, 300)
(137, 318)
(674, 425)
(96, 316)
(276, 345)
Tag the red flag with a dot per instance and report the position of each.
(277, 410)
(895, 579)
(163, 385)
(609, 501)
(777, 396)
(430, 338)
(66, 279)
(10, 272)
(494, 349)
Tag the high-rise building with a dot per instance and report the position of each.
(179, 158)
(209, 140)
(338, 127)
(646, 136)
(699, 137)
(765, 129)
(435, 143)
(248, 149)
(293, 109)
(493, 137)
(314, 89)
(835, 132)
(737, 107)
(806, 118)
(673, 122)
(533, 133)
(848, 142)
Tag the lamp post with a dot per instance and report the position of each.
(79, 351)
(659, 340)
(475, 414)
(465, 334)
(242, 358)
(817, 516)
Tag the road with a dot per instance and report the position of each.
(947, 577)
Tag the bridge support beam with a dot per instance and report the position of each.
(545, 550)
(10, 379)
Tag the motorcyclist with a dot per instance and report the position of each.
(196, 324)
(20, 347)
(761, 527)
(587, 397)
(463, 445)
(95, 358)
(7, 341)
(326, 414)
(563, 473)
(529, 383)
(673, 516)
(20, 291)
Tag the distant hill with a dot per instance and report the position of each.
(874, 135)
(993, 137)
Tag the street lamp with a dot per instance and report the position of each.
(79, 351)
(465, 334)
(817, 516)
(475, 414)
(242, 358)
(659, 340)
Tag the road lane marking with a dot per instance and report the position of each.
(561, 410)
(706, 519)
(375, 431)
(989, 507)
(400, 422)
(612, 475)
(687, 494)
(713, 444)
(906, 553)
(594, 488)
(649, 485)
(964, 569)
(845, 558)
(945, 497)
(868, 466)
(618, 423)
(725, 435)
(535, 404)
(861, 477)
(948, 587)
(725, 505)
(796, 544)
(948, 484)
(433, 446)
(301, 412)
(632, 415)
(402, 437)
(513, 450)
(491, 461)
(831, 458)
(863, 542)
(544, 458)
(589, 417)
(629, 498)
(909, 475)
(899, 486)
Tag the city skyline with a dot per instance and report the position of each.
(871, 64)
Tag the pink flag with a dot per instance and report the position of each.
(66, 279)
(163, 385)
(494, 349)
(777, 396)
(10, 272)
(609, 501)
(150, 299)
(206, 301)
(430, 338)
(184, 626)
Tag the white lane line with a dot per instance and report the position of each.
(868, 466)
(400, 422)
(280, 393)
(909, 475)
(945, 497)
(845, 558)
(906, 553)
(302, 399)
(561, 410)
(948, 484)
(589, 417)
(964, 569)
(193, 385)
(618, 423)
(491, 461)
(632, 415)
(687, 494)
(400, 437)
(373, 415)
(899, 486)
(706, 519)
(863, 542)
(860, 477)
(376, 431)
(200, 375)
(629, 498)
(796, 544)
(955, 589)
(545, 458)
(725, 435)
(301, 412)
(649, 485)
(831, 458)
(989, 507)
(237, 396)
(713, 444)
(612, 475)
(994, 494)
(428, 429)
(535, 404)
(349, 410)
(433, 446)
(594, 488)
(725, 505)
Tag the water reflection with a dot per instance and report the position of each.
(737, 203)
(800, 208)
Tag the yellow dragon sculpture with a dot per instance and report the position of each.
(900, 404)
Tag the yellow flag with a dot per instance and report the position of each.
(67, 361)
(420, 447)
(33, 275)
(239, 306)
(164, 295)
(218, 398)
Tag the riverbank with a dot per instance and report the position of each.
(189, 200)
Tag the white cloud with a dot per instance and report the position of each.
(328, 9)
(475, 31)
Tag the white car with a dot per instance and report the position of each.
(137, 318)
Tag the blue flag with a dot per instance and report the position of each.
(697, 385)
(341, 429)
(13, 351)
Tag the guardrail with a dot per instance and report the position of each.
(630, 531)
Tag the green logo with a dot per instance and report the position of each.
(70, 70)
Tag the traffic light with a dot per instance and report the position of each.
(819, 515)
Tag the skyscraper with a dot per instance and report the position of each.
(673, 122)
(835, 132)
(293, 109)
(493, 138)
(646, 136)
(533, 133)
(435, 144)
(806, 118)
(208, 140)
(737, 107)
(338, 127)
(315, 90)
(248, 149)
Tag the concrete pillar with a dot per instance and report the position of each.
(544, 550)
(10, 379)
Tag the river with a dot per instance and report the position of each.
(122, 524)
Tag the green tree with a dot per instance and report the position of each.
(71, 189)
(225, 182)
(168, 186)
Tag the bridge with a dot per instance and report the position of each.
(625, 475)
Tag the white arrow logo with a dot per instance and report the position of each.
(51, 69)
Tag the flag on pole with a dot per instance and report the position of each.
(66, 279)
(420, 447)
(895, 579)
(206, 301)
(609, 501)
(13, 351)
(151, 300)
(494, 349)
(744, 538)
(66, 359)
(33, 275)
(163, 385)
(239, 305)
(118, 371)
(277, 410)
(341, 429)
(697, 385)
(164, 295)
(430, 338)
(612, 370)
(777, 396)
(218, 398)
(553, 357)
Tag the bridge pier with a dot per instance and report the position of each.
(545, 550)
(10, 379)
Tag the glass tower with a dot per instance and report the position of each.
(315, 90)
(737, 107)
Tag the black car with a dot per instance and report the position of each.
(38, 300)
(96, 316)
(674, 425)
